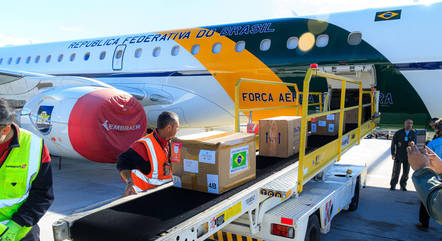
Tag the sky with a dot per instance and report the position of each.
(38, 21)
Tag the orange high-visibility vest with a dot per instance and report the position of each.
(158, 159)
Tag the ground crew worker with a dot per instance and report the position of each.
(399, 144)
(25, 179)
(147, 162)
(433, 126)
(436, 143)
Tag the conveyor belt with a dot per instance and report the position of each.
(147, 217)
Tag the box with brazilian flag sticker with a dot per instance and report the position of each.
(214, 161)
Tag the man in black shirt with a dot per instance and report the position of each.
(399, 144)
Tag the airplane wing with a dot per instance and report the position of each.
(20, 86)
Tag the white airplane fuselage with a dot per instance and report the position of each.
(193, 71)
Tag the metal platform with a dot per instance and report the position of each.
(160, 212)
(283, 186)
(294, 208)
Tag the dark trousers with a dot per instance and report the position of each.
(424, 217)
(397, 170)
(33, 235)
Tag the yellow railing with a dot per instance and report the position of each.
(238, 110)
(312, 163)
(319, 94)
(373, 102)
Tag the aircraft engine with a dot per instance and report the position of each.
(94, 123)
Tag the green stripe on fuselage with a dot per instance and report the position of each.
(399, 99)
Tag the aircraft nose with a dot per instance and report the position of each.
(104, 123)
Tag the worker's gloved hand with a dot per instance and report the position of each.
(130, 189)
(11, 232)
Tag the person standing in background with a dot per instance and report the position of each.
(399, 144)
(436, 144)
(424, 217)
(427, 168)
(432, 125)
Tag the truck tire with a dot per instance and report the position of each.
(355, 200)
(313, 229)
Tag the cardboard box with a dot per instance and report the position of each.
(325, 125)
(213, 162)
(279, 136)
(351, 116)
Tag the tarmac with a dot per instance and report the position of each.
(382, 214)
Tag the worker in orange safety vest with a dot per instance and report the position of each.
(146, 164)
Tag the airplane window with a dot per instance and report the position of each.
(60, 58)
(72, 57)
(28, 59)
(138, 52)
(195, 49)
(1, 60)
(175, 50)
(322, 41)
(9, 60)
(102, 55)
(119, 54)
(86, 56)
(37, 59)
(240, 46)
(265, 44)
(354, 38)
(292, 42)
(306, 42)
(18, 60)
(216, 48)
(156, 52)
(48, 58)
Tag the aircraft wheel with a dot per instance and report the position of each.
(355, 200)
(313, 229)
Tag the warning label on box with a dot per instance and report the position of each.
(331, 127)
(212, 183)
(190, 166)
(207, 156)
(313, 127)
(175, 155)
(176, 181)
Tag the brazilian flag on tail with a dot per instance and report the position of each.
(388, 15)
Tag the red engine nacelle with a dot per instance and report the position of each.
(95, 123)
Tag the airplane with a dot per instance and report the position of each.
(92, 98)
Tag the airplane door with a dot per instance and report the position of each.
(117, 60)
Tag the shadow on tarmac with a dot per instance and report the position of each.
(382, 215)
